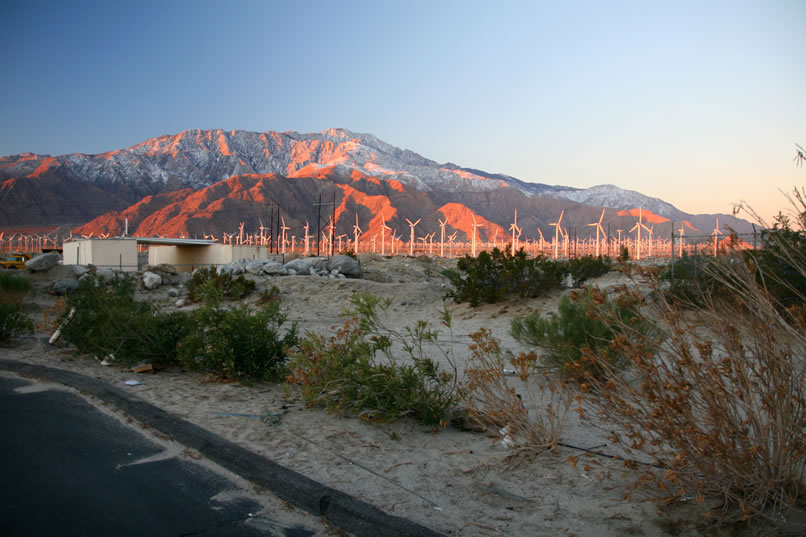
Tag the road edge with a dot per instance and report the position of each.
(340, 509)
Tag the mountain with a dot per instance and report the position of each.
(163, 184)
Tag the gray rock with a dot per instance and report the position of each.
(173, 293)
(181, 303)
(106, 274)
(151, 280)
(63, 287)
(303, 265)
(346, 265)
(166, 268)
(312, 272)
(292, 272)
(273, 268)
(43, 262)
(255, 267)
(79, 270)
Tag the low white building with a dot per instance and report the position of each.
(187, 257)
(120, 254)
(185, 254)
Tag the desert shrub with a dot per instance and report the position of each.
(584, 325)
(527, 407)
(206, 285)
(343, 373)
(108, 320)
(583, 268)
(13, 287)
(688, 279)
(494, 276)
(624, 254)
(13, 322)
(721, 407)
(238, 343)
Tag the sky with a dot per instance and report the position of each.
(698, 103)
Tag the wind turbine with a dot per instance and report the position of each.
(682, 236)
(411, 239)
(557, 231)
(307, 239)
(356, 232)
(442, 237)
(599, 229)
(283, 229)
(474, 226)
(638, 227)
(716, 234)
(452, 238)
(515, 229)
(384, 227)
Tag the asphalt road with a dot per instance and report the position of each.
(71, 470)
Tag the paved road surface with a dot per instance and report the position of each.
(71, 470)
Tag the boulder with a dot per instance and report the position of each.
(344, 264)
(173, 293)
(255, 267)
(273, 268)
(151, 280)
(166, 268)
(106, 274)
(43, 262)
(181, 303)
(303, 265)
(63, 287)
(80, 270)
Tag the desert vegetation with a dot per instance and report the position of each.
(13, 321)
(355, 372)
(696, 369)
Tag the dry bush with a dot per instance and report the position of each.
(527, 406)
(721, 406)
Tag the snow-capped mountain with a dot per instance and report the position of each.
(615, 197)
(77, 188)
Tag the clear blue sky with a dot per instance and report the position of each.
(699, 103)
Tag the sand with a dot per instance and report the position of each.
(455, 482)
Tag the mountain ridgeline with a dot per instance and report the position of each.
(202, 183)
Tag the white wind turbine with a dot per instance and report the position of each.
(411, 237)
(715, 233)
(557, 231)
(516, 232)
(451, 238)
(638, 227)
(384, 227)
(599, 229)
(540, 244)
(474, 226)
(442, 237)
(307, 238)
(682, 237)
(356, 233)
(283, 229)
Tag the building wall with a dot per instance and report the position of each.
(120, 254)
(186, 258)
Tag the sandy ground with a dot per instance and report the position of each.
(455, 482)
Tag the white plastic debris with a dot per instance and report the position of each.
(132, 382)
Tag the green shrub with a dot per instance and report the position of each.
(624, 254)
(580, 328)
(342, 372)
(688, 280)
(13, 287)
(494, 276)
(13, 322)
(238, 343)
(108, 320)
(584, 268)
(208, 286)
